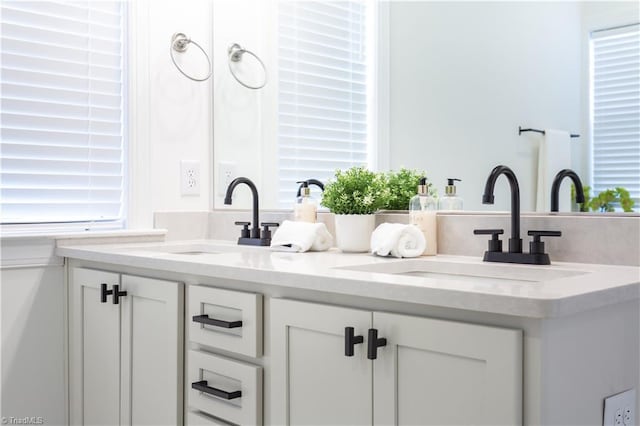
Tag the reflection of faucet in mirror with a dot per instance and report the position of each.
(315, 182)
(255, 238)
(555, 188)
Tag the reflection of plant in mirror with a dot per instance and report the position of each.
(605, 201)
(402, 185)
(356, 191)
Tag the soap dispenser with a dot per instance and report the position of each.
(450, 201)
(306, 207)
(422, 213)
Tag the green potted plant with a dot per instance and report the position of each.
(354, 195)
(402, 186)
(605, 201)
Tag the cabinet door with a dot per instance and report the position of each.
(435, 372)
(152, 368)
(94, 350)
(312, 381)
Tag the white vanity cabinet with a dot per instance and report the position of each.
(430, 372)
(125, 359)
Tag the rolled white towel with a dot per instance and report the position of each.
(397, 240)
(301, 237)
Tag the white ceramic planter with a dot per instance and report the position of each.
(353, 232)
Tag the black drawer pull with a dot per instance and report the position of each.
(104, 293)
(204, 319)
(374, 343)
(117, 294)
(350, 340)
(202, 387)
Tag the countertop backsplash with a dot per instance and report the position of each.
(610, 239)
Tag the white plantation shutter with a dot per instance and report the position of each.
(62, 111)
(615, 57)
(323, 78)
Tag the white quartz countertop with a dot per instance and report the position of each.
(447, 281)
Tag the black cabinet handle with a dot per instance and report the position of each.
(204, 319)
(117, 294)
(374, 343)
(202, 387)
(104, 293)
(350, 340)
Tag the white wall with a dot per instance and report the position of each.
(464, 76)
(172, 115)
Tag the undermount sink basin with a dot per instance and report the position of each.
(471, 272)
(189, 249)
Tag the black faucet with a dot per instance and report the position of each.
(255, 237)
(515, 242)
(536, 253)
(315, 182)
(555, 188)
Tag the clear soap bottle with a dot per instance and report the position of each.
(422, 213)
(306, 207)
(450, 201)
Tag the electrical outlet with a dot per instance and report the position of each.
(190, 177)
(627, 417)
(619, 410)
(227, 171)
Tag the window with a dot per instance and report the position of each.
(62, 112)
(324, 90)
(615, 109)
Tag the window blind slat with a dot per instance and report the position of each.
(60, 138)
(20, 106)
(23, 180)
(61, 111)
(52, 166)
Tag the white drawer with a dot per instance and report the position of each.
(228, 320)
(216, 379)
(199, 419)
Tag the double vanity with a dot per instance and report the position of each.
(208, 332)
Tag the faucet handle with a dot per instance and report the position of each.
(537, 246)
(495, 245)
(244, 233)
(266, 232)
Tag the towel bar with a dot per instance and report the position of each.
(520, 130)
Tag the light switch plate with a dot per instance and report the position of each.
(620, 409)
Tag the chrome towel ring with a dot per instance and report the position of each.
(179, 43)
(236, 52)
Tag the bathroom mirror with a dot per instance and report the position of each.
(453, 82)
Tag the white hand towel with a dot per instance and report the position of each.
(301, 237)
(554, 155)
(397, 240)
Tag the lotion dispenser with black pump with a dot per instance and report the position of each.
(450, 201)
(306, 207)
